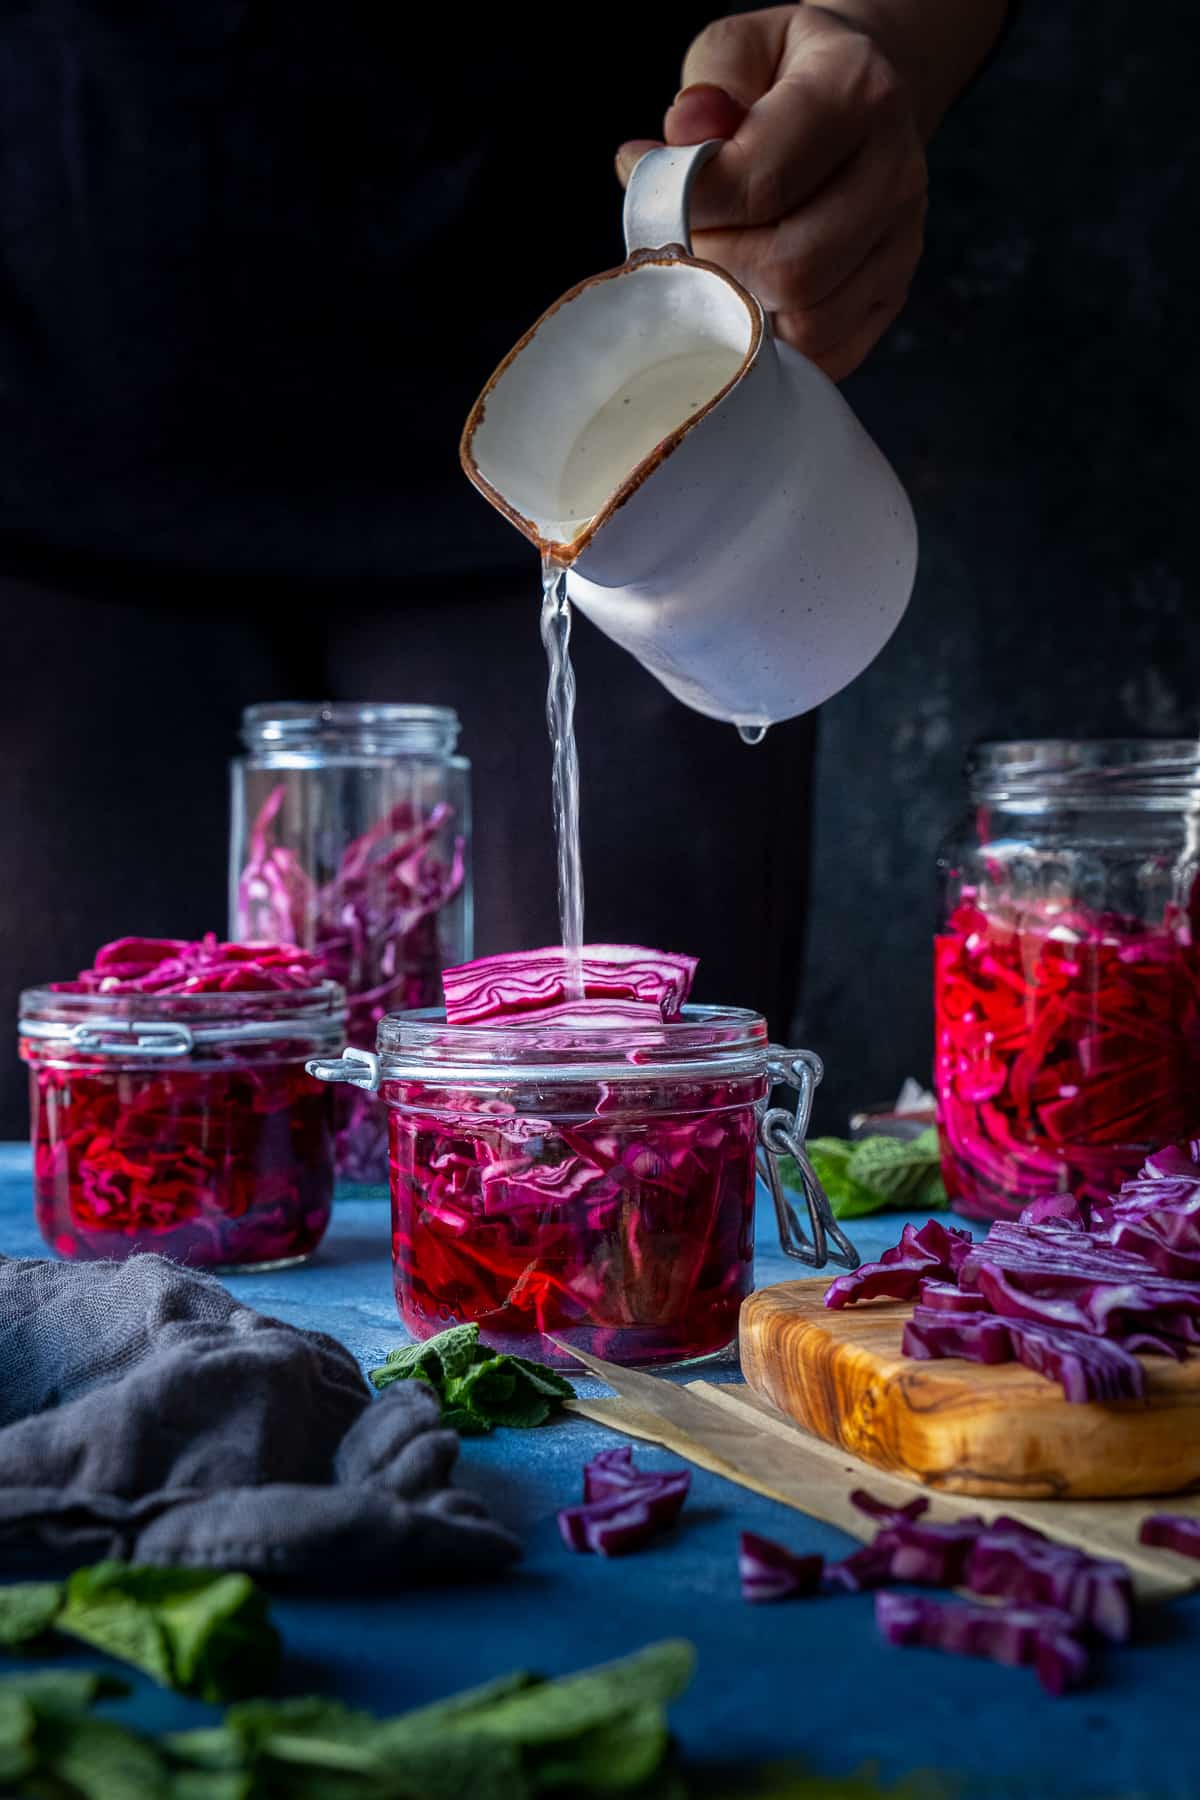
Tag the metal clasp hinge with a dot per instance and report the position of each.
(783, 1133)
(133, 1038)
(358, 1067)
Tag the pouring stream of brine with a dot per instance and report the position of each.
(560, 718)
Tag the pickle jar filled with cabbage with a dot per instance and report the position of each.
(171, 1108)
(1067, 970)
(573, 1155)
(350, 835)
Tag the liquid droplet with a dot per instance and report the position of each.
(752, 734)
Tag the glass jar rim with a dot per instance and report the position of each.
(1095, 769)
(709, 1041)
(172, 1024)
(361, 725)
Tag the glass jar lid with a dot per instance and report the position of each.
(144, 1026)
(364, 727)
(1033, 771)
(708, 1041)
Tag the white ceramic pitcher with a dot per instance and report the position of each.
(723, 514)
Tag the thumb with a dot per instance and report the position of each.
(695, 115)
(631, 154)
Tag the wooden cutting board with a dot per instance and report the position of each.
(963, 1427)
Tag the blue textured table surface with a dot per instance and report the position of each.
(804, 1681)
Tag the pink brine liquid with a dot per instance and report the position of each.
(631, 1238)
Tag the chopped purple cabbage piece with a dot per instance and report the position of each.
(769, 1571)
(1037, 1637)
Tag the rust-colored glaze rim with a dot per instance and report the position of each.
(669, 257)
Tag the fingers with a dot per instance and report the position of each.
(837, 333)
(804, 258)
(740, 54)
(831, 93)
(701, 112)
(843, 360)
(695, 115)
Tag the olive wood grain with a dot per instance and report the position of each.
(961, 1427)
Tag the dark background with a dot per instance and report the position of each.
(1039, 400)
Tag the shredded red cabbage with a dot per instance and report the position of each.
(623, 1506)
(1171, 1531)
(1075, 1291)
(1005, 1560)
(621, 1220)
(935, 1250)
(1016, 1563)
(944, 1296)
(1157, 1216)
(1086, 1368)
(769, 1571)
(630, 1234)
(221, 1162)
(1037, 1637)
(883, 1509)
(1067, 1044)
(135, 965)
(376, 925)
(534, 982)
(869, 1567)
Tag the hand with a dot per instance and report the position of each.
(816, 202)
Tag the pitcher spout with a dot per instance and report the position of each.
(603, 390)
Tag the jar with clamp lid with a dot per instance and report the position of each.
(182, 1123)
(593, 1187)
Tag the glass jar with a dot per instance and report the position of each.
(182, 1123)
(351, 836)
(591, 1186)
(1067, 972)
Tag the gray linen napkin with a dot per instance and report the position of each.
(146, 1414)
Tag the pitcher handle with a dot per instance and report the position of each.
(656, 200)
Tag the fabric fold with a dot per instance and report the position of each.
(148, 1415)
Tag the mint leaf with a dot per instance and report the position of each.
(830, 1158)
(205, 1634)
(600, 1732)
(449, 1353)
(891, 1168)
(555, 1711)
(52, 1744)
(873, 1173)
(478, 1387)
(619, 1755)
(27, 1610)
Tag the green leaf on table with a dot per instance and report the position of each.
(205, 1634)
(439, 1358)
(52, 1744)
(551, 1712)
(603, 1731)
(28, 1610)
(874, 1173)
(478, 1387)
